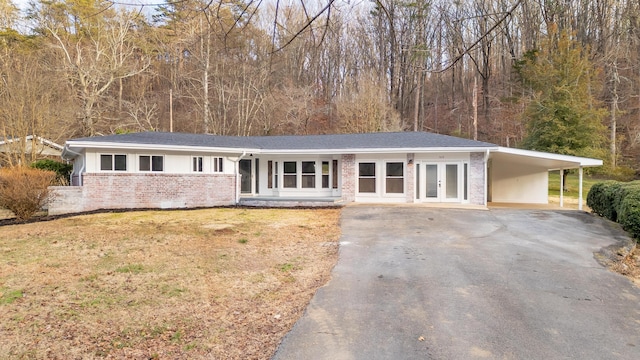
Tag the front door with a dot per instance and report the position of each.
(245, 179)
(440, 182)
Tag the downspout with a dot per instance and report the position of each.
(237, 170)
(84, 164)
(486, 177)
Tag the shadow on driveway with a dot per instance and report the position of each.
(425, 283)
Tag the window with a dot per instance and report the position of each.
(308, 174)
(335, 174)
(367, 177)
(275, 176)
(290, 174)
(113, 162)
(325, 174)
(217, 164)
(466, 185)
(151, 163)
(197, 164)
(269, 174)
(395, 178)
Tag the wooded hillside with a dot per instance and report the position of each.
(527, 68)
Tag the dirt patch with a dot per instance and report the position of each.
(628, 264)
(213, 283)
(622, 257)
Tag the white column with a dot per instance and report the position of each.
(580, 188)
(561, 187)
(486, 177)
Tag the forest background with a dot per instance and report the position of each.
(552, 75)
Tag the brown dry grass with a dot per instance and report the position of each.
(215, 283)
(6, 214)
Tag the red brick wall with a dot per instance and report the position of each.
(130, 191)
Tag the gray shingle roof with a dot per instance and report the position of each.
(389, 140)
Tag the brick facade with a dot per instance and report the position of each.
(410, 179)
(131, 191)
(476, 179)
(348, 178)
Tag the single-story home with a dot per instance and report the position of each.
(33, 146)
(179, 170)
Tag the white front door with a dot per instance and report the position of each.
(440, 181)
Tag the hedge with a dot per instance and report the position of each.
(617, 201)
(62, 170)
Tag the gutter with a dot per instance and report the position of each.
(66, 150)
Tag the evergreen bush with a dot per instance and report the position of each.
(629, 213)
(618, 202)
(62, 170)
(601, 198)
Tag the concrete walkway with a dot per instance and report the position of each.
(424, 283)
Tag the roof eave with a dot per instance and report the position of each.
(372, 150)
(152, 147)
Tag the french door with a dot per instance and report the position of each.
(440, 181)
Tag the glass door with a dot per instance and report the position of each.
(245, 179)
(440, 182)
(432, 182)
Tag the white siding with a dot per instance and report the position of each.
(174, 162)
(512, 182)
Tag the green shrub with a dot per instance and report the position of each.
(617, 202)
(629, 213)
(24, 190)
(601, 198)
(624, 190)
(62, 170)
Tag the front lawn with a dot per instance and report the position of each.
(572, 184)
(214, 283)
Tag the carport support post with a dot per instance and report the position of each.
(561, 187)
(580, 188)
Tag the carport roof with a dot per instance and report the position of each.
(540, 159)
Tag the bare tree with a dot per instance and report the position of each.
(94, 56)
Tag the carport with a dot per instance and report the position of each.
(522, 176)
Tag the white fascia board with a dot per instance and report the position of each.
(51, 143)
(374, 150)
(133, 146)
(181, 148)
(44, 141)
(577, 160)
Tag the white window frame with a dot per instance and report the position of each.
(197, 164)
(218, 164)
(314, 174)
(387, 177)
(113, 162)
(374, 177)
(151, 157)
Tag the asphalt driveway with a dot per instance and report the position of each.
(425, 283)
